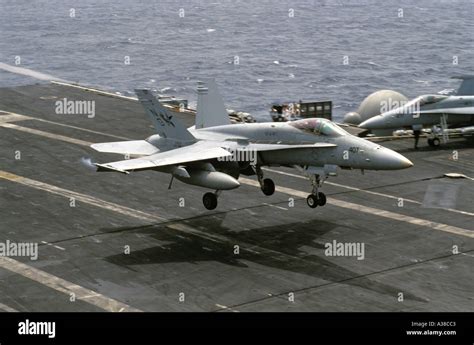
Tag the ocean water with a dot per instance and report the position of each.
(259, 52)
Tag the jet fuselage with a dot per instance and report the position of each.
(349, 151)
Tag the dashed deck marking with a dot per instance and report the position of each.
(52, 245)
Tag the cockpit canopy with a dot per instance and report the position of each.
(319, 126)
(428, 99)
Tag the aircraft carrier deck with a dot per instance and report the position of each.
(184, 258)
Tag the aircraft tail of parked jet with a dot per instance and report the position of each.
(211, 110)
(167, 126)
(467, 85)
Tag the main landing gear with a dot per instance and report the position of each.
(316, 198)
(210, 200)
(266, 185)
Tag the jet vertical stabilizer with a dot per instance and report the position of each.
(467, 85)
(167, 126)
(211, 110)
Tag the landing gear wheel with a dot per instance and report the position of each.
(312, 201)
(321, 199)
(268, 186)
(435, 142)
(210, 201)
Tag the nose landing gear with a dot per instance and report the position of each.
(316, 198)
(317, 176)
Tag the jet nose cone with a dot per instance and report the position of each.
(373, 123)
(394, 161)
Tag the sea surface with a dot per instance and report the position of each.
(259, 52)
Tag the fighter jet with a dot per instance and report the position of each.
(213, 153)
(430, 111)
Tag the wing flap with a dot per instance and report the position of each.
(132, 147)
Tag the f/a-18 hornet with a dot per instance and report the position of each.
(213, 153)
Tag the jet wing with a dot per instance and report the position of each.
(192, 153)
(465, 111)
(131, 147)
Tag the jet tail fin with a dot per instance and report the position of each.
(211, 110)
(467, 85)
(167, 126)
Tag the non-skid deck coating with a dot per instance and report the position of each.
(184, 258)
